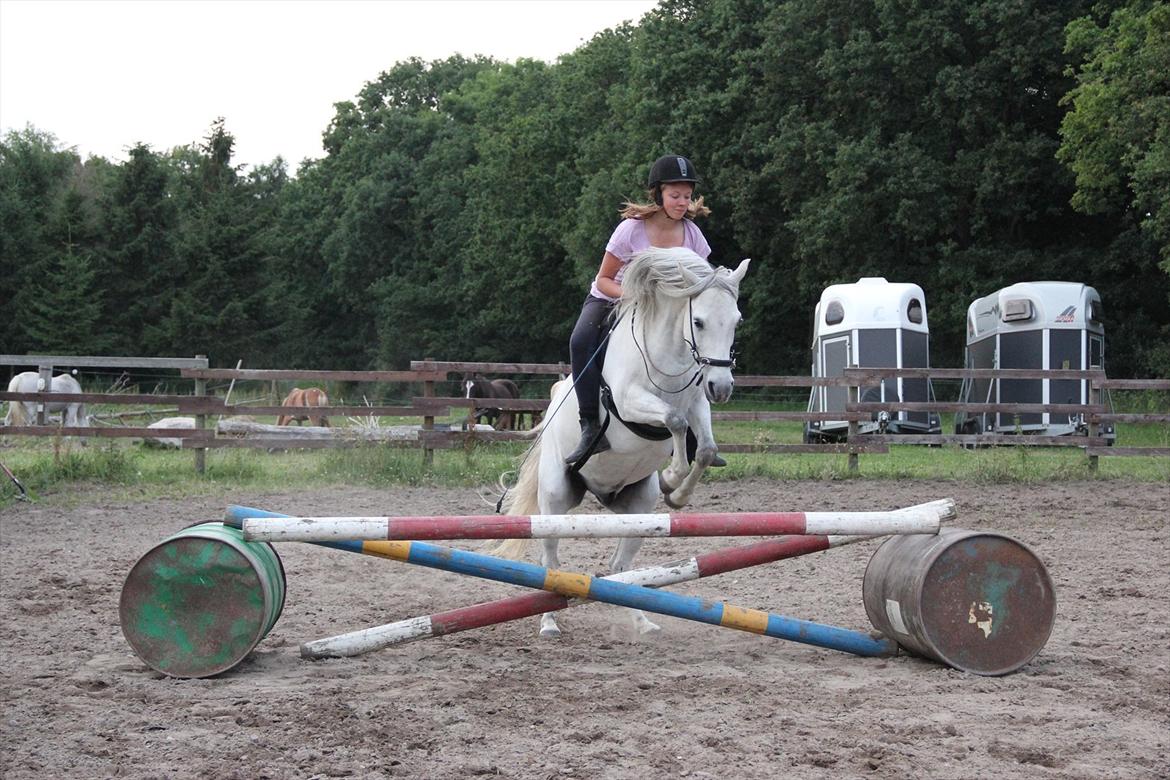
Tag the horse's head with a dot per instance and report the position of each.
(703, 300)
(714, 316)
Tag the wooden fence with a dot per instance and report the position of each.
(424, 375)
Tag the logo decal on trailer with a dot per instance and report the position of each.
(1068, 315)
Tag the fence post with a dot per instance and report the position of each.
(1094, 425)
(428, 420)
(854, 396)
(45, 385)
(200, 423)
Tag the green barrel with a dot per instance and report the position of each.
(198, 602)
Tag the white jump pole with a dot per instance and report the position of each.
(339, 529)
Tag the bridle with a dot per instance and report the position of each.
(702, 362)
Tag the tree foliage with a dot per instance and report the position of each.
(1116, 141)
(462, 205)
(1116, 138)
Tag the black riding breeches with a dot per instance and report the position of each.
(586, 340)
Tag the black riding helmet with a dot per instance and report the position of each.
(672, 168)
(669, 169)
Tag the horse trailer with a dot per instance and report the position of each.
(1033, 325)
(872, 323)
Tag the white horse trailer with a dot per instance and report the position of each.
(1033, 325)
(872, 323)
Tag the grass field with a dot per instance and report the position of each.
(46, 467)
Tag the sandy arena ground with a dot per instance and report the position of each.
(695, 701)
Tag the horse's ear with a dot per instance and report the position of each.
(688, 276)
(741, 269)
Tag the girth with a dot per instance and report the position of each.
(642, 430)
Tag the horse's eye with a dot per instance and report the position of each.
(698, 323)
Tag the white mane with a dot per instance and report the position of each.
(676, 273)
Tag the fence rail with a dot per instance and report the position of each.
(428, 406)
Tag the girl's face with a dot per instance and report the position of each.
(676, 198)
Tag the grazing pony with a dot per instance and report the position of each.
(481, 387)
(307, 396)
(669, 356)
(25, 412)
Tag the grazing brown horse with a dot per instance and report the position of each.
(306, 396)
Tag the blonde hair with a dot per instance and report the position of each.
(631, 210)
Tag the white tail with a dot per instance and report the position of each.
(16, 414)
(522, 500)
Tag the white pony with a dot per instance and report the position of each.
(668, 356)
(25, 412)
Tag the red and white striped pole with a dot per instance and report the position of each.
(338, 529)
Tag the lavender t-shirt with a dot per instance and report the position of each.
(630, 237)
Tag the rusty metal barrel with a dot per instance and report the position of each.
(199, 601)
(978, 601)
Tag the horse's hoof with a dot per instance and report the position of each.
(670, 501)
(649, 627)
(664, 484)
(550, 632)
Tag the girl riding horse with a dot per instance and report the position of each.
(668, 221)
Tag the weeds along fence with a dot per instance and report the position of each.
(47, 366)
(427, 378)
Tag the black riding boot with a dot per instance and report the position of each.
(590, 430)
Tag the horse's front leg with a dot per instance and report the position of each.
(673, 476)
(636, 499)
(700, 423)
(549, 559)
(647, 408)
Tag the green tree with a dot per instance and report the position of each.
(62, 313)
(515, 250)
(371, 234)
(907, 141)
(34, 172)
(218, 308)
(139, 272)
(1116, 140)
(1116, 137)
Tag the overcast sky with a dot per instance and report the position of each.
(102, 75)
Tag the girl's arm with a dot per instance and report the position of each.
(606, 281)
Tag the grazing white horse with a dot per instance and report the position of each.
(668, 357)
(25, 412)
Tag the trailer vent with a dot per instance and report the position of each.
(914, 313)
(1096, 312)
(835, 313)
(1016, 310)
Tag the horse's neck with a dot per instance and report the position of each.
(654, 347)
